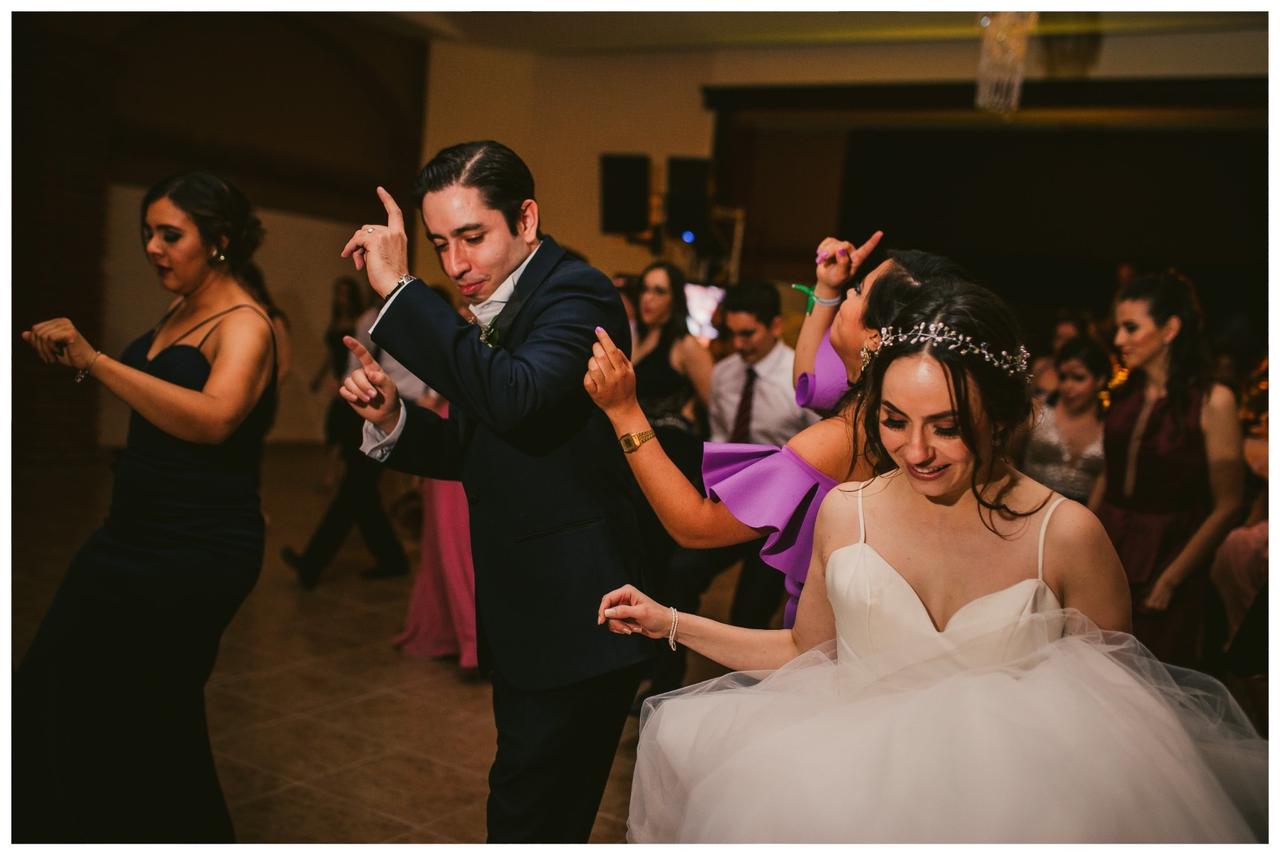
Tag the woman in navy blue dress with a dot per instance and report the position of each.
(110, 738)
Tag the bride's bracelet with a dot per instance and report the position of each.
(671, 635)
(84, 371)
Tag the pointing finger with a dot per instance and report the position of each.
(607, 342)
(395, 219)
(867, 248)
(367, 361)
(616, 358)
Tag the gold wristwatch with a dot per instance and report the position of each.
(631, 441)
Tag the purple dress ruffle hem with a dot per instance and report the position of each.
(773, 488)
(822, 389)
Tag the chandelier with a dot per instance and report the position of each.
(1003, 59)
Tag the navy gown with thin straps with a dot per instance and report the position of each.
(110, 738)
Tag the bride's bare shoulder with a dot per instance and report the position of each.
(837, 519)
(848, 493)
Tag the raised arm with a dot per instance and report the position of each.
(692, 520)
(836, 262)
(239, 353)
(496, 386)
(500, 387)
(1223, 444)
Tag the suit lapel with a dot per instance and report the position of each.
(540, 267)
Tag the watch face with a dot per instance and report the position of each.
(629, 442)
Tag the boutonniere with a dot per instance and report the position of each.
(489, 334)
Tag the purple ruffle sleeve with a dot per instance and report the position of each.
(823, 388)
(774, 488)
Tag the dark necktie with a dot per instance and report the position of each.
(742, 420)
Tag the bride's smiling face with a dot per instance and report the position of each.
(920, 427)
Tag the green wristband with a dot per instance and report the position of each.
(814, 298)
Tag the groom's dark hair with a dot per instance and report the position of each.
(502, 178)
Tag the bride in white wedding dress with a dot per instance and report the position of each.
(959, 670)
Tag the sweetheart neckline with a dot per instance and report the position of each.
(172, 347)
(919, 601)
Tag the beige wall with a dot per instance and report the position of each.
(561, 112)
(300, 261)
(560, 115)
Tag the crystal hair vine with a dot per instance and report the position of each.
(941, 335)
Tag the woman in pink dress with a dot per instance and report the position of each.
(442, 609)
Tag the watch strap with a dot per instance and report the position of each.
(630, 442)
(401, 282)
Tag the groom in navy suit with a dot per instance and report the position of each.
(553, 506)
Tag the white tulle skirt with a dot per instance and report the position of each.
(1082, 737)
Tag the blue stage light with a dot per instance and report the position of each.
(688, 237)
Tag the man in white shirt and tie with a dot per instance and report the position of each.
(761, 364)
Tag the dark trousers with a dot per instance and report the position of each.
(755, 599)
(358, 503)
(110, 740)
(555, 748)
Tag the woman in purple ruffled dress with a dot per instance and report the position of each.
(758, 490)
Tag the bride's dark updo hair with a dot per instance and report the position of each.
(218, 209)
(1004, 395)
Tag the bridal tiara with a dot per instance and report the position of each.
(939, 335)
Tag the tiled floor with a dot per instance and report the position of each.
(322, 731)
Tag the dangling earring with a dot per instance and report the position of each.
(865, 354)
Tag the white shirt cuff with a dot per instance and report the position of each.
(377, 445)
(385, 306)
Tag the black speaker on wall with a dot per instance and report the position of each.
(624, 193)
(688, 205)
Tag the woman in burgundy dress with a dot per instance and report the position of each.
(1172, 485)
